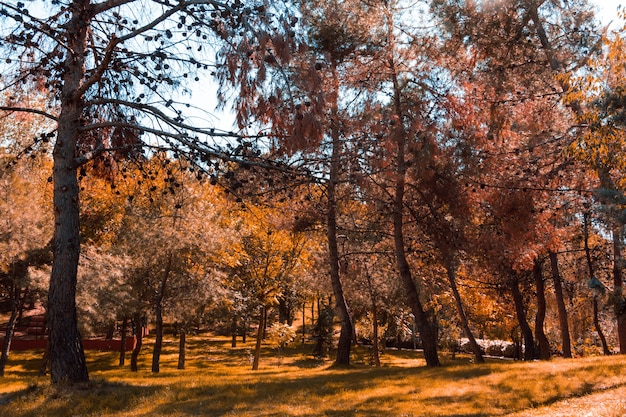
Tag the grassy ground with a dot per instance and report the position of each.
(218, 382)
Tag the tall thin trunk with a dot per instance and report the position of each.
(233, 332)
(303, 322)
(345, 335)
(373, 300)
(592, 275)
(158, 316)
(540, 335)
(139, 335)
(259, 338)
(527, 333)
(560, 303)
(6, 347)
(618, 292)
(424, 322)
(67, 357)
(123, 331)
(182, 348)
(451, 272)
(606, 181)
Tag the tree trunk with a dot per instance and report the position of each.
(233, 332)
(542, 340)
(285, 312)
(67, 357)
(182, 348)
(618, 292)
(373, 299)
(158, 313)
(123, 341)
(303, 322)
(596, 320)
(375, 347)
(560, 303)
(345, 335)
(596, 324)
(259, 338)
(110, 331)
(139, 334)
(6, 347)
(451, 271)
(527, 333)
(424, 322)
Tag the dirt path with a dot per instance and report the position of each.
(609, 403)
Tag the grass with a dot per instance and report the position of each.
(218, 382)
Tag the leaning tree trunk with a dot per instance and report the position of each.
(158, 313)
(345, 335)
(6, 347)
(542, 340)
(134, 357)
(527, 333)
(451, 271)
(560, 303)
(596, 324)
(424, 323)
(259, 338)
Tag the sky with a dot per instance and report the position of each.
(607, 10)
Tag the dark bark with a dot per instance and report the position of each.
(451, 271)
(560, 303)
(158, 316)
(596, 324)
(110, 331)
(345, 335)
(6, 346)
(67, 357)
(373, 300)
(596, 319)
(123, 331)
(527, 333)
(259, 338)
(233, 332)
(285, 312)
(134, 357)
(182, 348)
(540, 335)
(425, 323)
(303, 322)
(618, 294)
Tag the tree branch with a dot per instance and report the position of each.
(29, 110)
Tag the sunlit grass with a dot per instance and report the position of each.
(218, 382)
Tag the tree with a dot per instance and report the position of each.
(267, 254)
(598, 97)
(26, 225)
(111, 73)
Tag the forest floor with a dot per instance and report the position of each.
(608, 403)
(218, 381)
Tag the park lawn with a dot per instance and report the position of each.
(218, 381)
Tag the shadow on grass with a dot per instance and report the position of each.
(88, 399)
